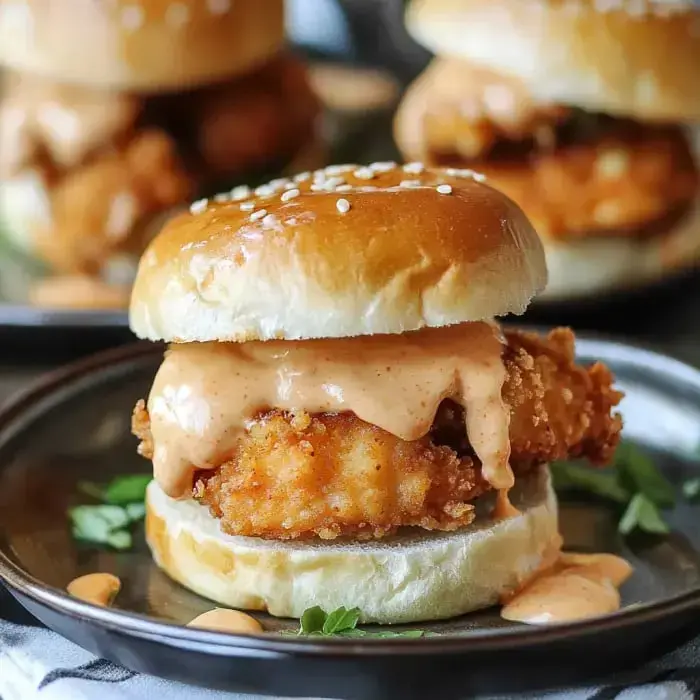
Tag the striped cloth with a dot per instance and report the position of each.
(36, 664)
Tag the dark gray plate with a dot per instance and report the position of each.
(75, 425)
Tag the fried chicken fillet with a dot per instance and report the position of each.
(330, 475)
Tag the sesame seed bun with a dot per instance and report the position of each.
(347, 251)
(405, 578)
(630, 57)
(140, 44)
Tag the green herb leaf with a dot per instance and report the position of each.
(341, 620)
(312, 620)
(121, 539)
(691, 488)
(127, 489)
(383, 634)
(98, 523)
(135, 511)
(343, 623)
(639, 473)
(642, 513)
(569, 476)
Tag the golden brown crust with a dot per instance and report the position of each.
(348, 251)
(626, 175)
(559, 409)
(334, 474)
(634, 58)
(140, 45)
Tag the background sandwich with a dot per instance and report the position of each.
(114, 113)
(580, 111)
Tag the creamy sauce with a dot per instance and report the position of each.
(205, 393)
(98, 589)
(503, 508)
(224, 620)
(576, 587)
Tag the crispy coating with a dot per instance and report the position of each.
(333, 474)
(629, 178)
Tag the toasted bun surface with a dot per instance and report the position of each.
(623, 57)
(406, 578)
(343, 253)
(139, 44)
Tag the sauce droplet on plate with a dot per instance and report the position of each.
(98, 589)
(225, 620)
(576, 587)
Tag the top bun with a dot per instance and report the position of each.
(348, 251)
(139, 44)
(637, 58)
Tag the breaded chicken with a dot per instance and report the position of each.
(299, 475)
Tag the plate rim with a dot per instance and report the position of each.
(143, 626)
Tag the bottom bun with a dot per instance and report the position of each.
(581, 268)
(406, 578)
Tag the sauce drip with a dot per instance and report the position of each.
(205, 393)
(576, 587)
(98, 589)
(503, 509)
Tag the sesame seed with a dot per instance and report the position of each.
(343, 206)
(383, 166)
(410, 183)
(339, 169)
(177, 14)
(223, 197)
(264, 191)
(333, 182)
(414, 168)
(444, 189)
(260, 214)
(199, 206)
(302, 177)
(269, 220)
(132, 17)
(279, 183)
(364, 174)
(247, 206)
(344, 188)
(317, 188)
(479, 177)
(219, 7)
(289, 194)
(241, 192)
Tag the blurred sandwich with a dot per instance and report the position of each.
(115, 114)
(581, 111)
